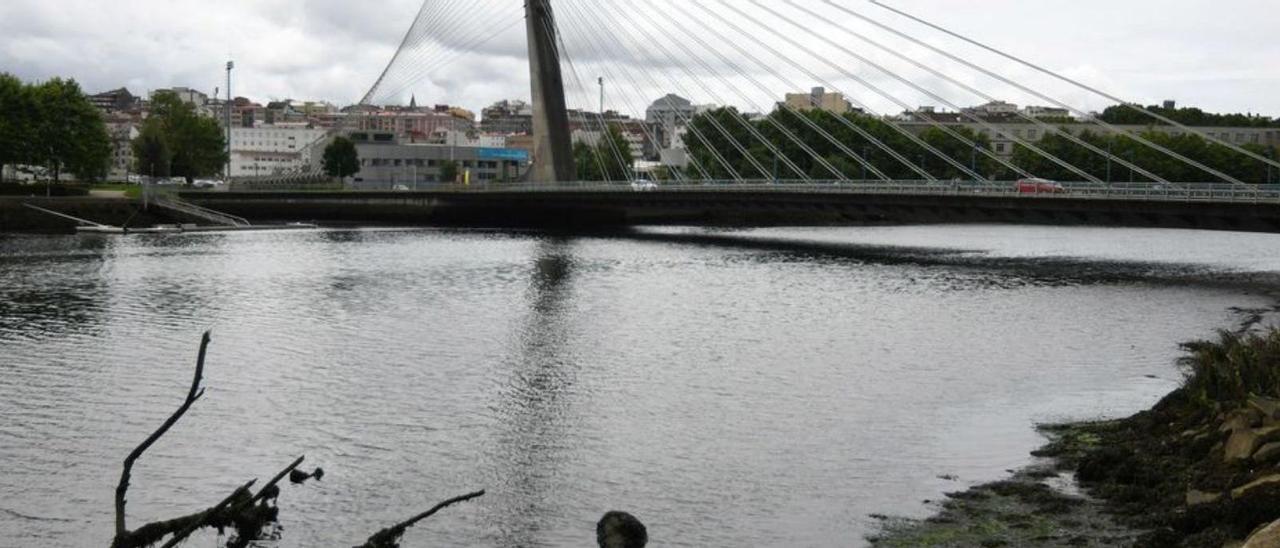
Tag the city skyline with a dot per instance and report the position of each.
(331, 51)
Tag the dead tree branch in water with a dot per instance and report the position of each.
(193, 395)
(234, 507)
(247, 513)
(237, 509)
(390, 537)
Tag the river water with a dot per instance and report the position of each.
(730, 388)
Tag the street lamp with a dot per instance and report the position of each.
(865, 160)
(1130, 166)
(1271, 154)
(227, 108)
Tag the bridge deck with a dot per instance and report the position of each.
(765, 204)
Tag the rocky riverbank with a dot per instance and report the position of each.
(1199, 469)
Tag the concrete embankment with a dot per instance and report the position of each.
(108, 210)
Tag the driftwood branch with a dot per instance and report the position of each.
(152, 533)
(192, 396)
(269, 487)
(390, 537)
(204, 518)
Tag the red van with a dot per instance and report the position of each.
(1039, 186)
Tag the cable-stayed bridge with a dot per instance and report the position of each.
(760, 159)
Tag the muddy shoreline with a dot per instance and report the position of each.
(1199, 469)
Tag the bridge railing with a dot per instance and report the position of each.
(1189, 192)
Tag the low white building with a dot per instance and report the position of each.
(274, 149)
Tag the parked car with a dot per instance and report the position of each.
(1039, 186)
(643, 185)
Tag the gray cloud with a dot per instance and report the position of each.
(1200, 52)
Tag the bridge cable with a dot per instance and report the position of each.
(685, 120)
(565, 58)
(715, 123)
(755, 132)
(408, 34)
(792, 110)
(1108, 96)
(787, 132)
(852, 98)
(768, 142)
(711, 118)
(421, 25)
(849, 124)
(448, 54)
(941, 99)
(628, 98)
(1084, 116)
(1039, 123)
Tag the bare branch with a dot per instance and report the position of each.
(152, 533)
(208, 515)
(262, 493)
(192, 396)
(390, 536)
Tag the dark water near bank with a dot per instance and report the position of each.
(757, 388)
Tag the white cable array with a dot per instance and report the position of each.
(1111, 97)
(606, 49)
(984, 96)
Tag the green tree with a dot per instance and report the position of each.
(341, 159)
(608, 160)
(16, 118)
(616, 152)
(151, 151)
(587, 163)
(448, 171)
(194, 143)
(69, 132)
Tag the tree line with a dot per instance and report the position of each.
(52, 125)
(1191, 116)
(723, 142)
(829, 137)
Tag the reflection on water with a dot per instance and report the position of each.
(532, 441)
(742, 388)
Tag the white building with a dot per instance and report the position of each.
(634, 139)
(122, 133)
(994, 108)
(1047, 112)
(457, 138)
(273, 149)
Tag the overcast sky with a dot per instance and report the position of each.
(1220, 55)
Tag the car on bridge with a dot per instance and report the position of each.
(643, 185)
(1036, 185)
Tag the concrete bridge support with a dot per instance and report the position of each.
(552, 150)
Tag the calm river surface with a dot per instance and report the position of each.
(730, 388)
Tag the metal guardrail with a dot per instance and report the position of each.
(1152, 192)
(200, 212)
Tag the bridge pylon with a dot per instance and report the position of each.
(552, 149)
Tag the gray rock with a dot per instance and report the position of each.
(1266, 537)
(1196, 498)
(1267, 453)
(1240, 446)
(1269, 408)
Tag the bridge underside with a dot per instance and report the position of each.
(617, 209)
